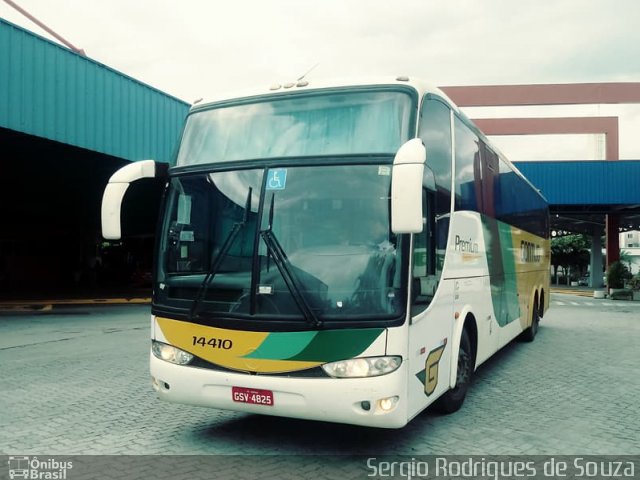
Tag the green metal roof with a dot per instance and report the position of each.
(51, 92)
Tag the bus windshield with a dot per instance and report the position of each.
(329, 223)
(330, 123)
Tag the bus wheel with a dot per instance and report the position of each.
(530, 333)
(452, 400)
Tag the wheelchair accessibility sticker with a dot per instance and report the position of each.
(277, 179)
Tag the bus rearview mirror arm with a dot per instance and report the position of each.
(117, 187)
(406, 187)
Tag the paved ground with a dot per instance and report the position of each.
(75, 381)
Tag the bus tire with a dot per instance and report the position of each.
(452, 400)
(530, 333)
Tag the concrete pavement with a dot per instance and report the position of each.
(76, 381)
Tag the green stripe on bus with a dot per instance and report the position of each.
(332, 345)
(282, 345)
(511, 307)
(502, 270)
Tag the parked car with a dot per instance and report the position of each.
(584, 281)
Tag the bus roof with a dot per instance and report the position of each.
(298, 86)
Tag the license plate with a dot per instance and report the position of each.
(254, 396)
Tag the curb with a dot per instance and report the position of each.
(581, 293)
(47, 305)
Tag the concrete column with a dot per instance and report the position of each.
(613, 239)
(596, 258)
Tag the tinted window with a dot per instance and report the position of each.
(486, 183)
(430, 245)
(326, 123)
(517, 202)
(468, 181)
(490, 172)
(435, 132)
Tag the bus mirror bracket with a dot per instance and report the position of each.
(406, 187)
(117, 187)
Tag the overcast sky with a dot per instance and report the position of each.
(196, 48)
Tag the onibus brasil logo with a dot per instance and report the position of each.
(37, 469)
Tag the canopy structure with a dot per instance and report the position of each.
(582, 193)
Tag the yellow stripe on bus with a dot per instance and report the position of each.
(224, 347)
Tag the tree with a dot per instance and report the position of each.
(571, 252)
(626, 258)
(617, 273)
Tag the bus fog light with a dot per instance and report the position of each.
(170, 354)
(388, 404)
(363, 367)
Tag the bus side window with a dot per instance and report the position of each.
(424, 254)
(430, 245)
(468, 172)
(489, 180)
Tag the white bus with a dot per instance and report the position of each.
(346, 252)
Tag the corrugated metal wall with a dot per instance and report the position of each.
(585, 182)
(49, 91)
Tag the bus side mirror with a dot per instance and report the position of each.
(117, 187)
(406, 187)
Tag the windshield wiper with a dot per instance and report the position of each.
(217, 262)
(282, 262)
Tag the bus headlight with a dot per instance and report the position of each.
(170, 354)
(362, 367)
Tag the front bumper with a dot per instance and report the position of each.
(326, 399)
